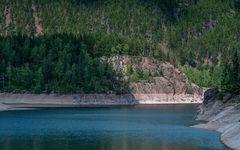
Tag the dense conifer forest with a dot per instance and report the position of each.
(55, 46)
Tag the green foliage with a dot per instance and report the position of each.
(196, 34)
(206, 76)
(130, 70)
(60, 63)
(139, 75)
(204, 32)
(230, 79)
(195, 30)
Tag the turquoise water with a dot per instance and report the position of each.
(154, 127)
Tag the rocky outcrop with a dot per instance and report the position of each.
(37, 20)
(221, 116)
(162, 77)
(7, 14)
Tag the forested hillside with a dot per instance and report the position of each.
(66, 37)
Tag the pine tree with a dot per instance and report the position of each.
(39, 81)
(225, 76)
(230, 74)
(25, 76)
(9, 76)
(235, 72)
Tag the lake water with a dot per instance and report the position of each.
(153, 127)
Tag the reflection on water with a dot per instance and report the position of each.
(116, 128)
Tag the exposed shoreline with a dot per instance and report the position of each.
(10, 101)
(224, 118)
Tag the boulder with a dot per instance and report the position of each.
(227, 97)
(211, 95)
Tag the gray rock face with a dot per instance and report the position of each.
(3, 107)
(210, 95)
(221, 116)
(163, 77)
(227, 97)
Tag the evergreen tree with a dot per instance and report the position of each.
(235, 76)
(9, 78)
(39, 81)
(225, 76)
(230, 74)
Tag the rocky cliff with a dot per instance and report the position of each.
(157, 76)
(222, 116)
(152, 79)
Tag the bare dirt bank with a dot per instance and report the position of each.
(9, 100)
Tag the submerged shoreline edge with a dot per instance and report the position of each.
(223, 118)
(10, 101)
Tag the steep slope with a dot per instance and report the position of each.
(198, 31)
(189, 33)
(221, 116)
(152, 76)
(154, 81)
